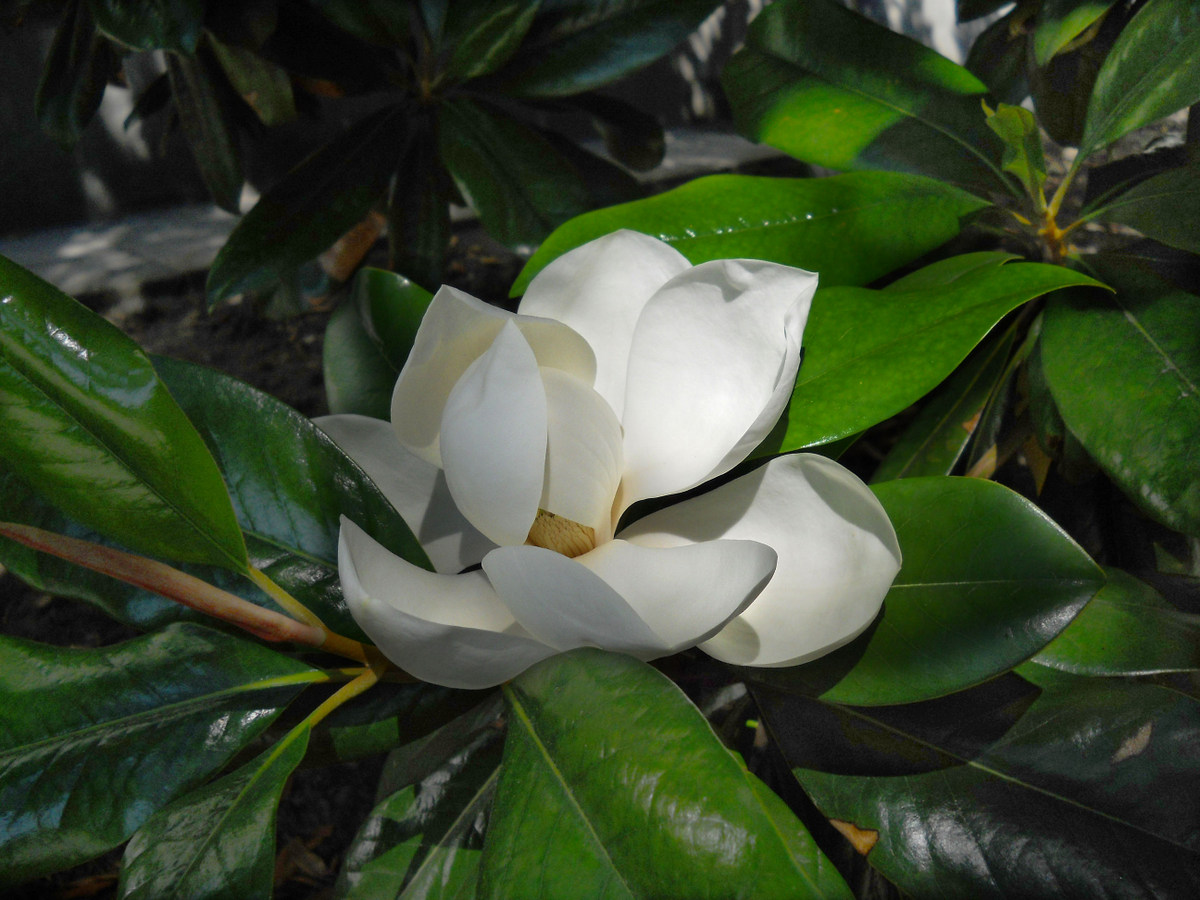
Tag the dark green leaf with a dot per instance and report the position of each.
(937, 437)
(987, 581)
(830, 87)
(152, 24)
(265, 87)
(850, 228)
(614, 785)
(521, 187)
(418, 209)
(218, 841)
(86, 422)
(1165, 207)
(632, 137)
(1125, 372)
(1061, 21)
(975, 9)
(94, 741)
(1126, 629)
(577, 45)
(74, 77)
(201, 97)
(311, 207)
(482, 36)
(1090, 794)
(998, 58)
(384, 23)
(903, 340)
(1023, 155)
(1152, 71)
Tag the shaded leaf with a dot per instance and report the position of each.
(1061, 21)
(200, 93)
(632, 137)
(265, 87)
(380, 22)
(1165, 207)
(418, 209)
(151, 24)
(997, 57)
(482, 36)
(74, 76)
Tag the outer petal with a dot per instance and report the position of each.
(599, 289)
(583, 455)
(457, 330)
(837, 556)
(713, 362)
(645, 602)
(447, 629)
(494, 439)
(417, 489)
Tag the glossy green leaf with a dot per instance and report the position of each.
(1061, 21)
(1165, 207)
(152, 24)
(518, 183)
(1126, 629)
(1152, 71)
(202, 101)
(74, 76)
(1090, 794)
(902, 340)
(83, 416)
(480, 37)
(829, 86)
(1125, 372)
(393, 308)
(94, 741)
(311, 207)
(577, 45)
(987, 581)
(850, 228)
(218, 841)
(1023, 154)
(614, 785)
(937, 437)
(265, 87)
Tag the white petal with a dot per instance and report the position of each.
(417, 489)
(647, 603)
(713, 362)
(447, 629)
(494, 439)
(456, 330)
(837, 555)
(599, 289)
(583, 454)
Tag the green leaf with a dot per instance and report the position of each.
(1165, 207)
(1090, 794)
(218, 841)
(201, 98)
(1023, 155)
(850, 228)
(632, 137)
(998, 58)
(903, 340)
(94, 741)
(358, 376)
(830, 87)
(987, 581)
(1126, 629)
(384, 23)
(418, 209)
(1125, 372)
(578, 45)
(74, 76)
(937, 437)
(518, 183)
(265, 87)
(392, 308)
(151, 24)
(614, 785)
(1061, 21)
(86, 422)
(482, 36)
(311, 207)
(1152, 71)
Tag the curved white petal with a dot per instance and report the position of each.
(583, 453)
(446, 629)
(713, 362)
(599, 289)
(837, 556)
(644, 602)
(456, 330)
(417, 489)
(493, 439)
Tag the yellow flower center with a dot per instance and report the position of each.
(560, 534)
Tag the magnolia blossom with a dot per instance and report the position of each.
(517, 441)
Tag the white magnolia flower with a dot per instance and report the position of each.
(517, 441)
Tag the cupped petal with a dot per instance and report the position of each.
(837, 553)
(599, 289)
(644, 602)
(713, 363)
(493, 439)
(451, 630)
(456, 330)
(417, 489)
(583, 453)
